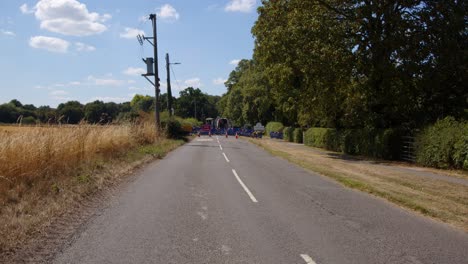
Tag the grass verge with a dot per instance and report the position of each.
(441, 200)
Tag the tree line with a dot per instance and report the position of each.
(353, 64)
(192, 102)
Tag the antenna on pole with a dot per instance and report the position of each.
(140, 39)
(149, 65)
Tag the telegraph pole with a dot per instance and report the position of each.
(169, 91)
(152, 17)
(150, 63)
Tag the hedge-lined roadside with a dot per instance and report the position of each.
(297, 135)
(378, 143)
(443, 145)
(288, 134)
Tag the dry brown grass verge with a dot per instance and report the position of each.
(47, 171)
(436, 198)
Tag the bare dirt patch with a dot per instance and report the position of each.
(440, 194)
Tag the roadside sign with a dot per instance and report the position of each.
(259, 127)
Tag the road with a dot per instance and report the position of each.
(218, 200)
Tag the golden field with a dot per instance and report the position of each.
(29, 153)
(44, 171)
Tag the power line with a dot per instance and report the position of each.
(177, 80)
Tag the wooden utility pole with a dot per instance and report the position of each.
(152, 17)
(169, 91)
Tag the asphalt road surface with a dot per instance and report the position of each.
(218, 200)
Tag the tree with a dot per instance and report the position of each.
(96, 112)
(71, 112)
(142, 103)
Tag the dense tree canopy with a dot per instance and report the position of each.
(353, 64)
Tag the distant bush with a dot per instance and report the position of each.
(274, 127)
(443, 145)
(297, 135)
(382, 143)
(29, 120)
(288, 134)
(192, 121)
(174, 129)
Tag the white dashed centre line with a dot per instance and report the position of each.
(220, 147)
(308, 259)
(245, 188)
(225, 157)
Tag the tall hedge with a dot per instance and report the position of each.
(374, 143)
(297, 135)
(443, 145)
(288, 134)
(274, 127)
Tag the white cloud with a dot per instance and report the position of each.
(75, 83)
(134, 71)
(107, 99)
(240, 6)
(49, 43)
(168, 13)
(58, 92)
(84, 47)
(105, 81)
(60, 95)
(195, 83)
(130, 33)
(219, 81)
(68, 17)
(234, 62)
(7, 33)
(25, 9)
(133, 88)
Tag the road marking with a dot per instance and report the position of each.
(308, 259)
(204, 139)
(225, 157)
(220, 147)
(245, 187)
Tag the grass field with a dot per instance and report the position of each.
(443, 200)
(44, 170)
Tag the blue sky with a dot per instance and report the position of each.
(52, 51)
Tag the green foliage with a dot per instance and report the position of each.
(382, 143)
(322, 138)
(174, 129)
(288, 134)
(297, 135)
(274, 127)
(191, 121)
(70, 112)
(444, 144)
(192, 102)
(29, 120)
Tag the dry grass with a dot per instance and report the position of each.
(443, 200)
(44, 170)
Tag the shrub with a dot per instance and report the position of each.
(274, 127)
(174, 129)
(322, 138)
(192, 121)
(443, 145)
(297, 135)
(288, 134)
(373, 143)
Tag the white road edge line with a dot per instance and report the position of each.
(225, 157)
(245, 187)
(308, 259)
(220, 147)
